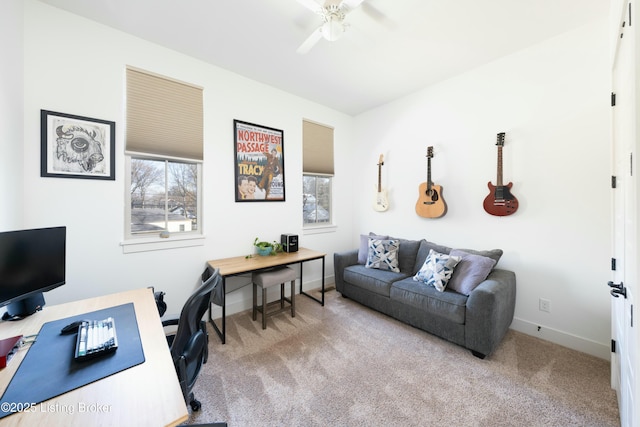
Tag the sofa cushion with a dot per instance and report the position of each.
(363, 249)
(448, 304)
(407, 255)
(437, 270)
(377, 281)
(383, 254)
(470, 272)
(423, 253)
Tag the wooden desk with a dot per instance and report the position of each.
(145, 395)
(238, 265)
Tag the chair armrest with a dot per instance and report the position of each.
(342, 260)
(490, 309)
(171, 321)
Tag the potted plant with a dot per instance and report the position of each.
(267, 248)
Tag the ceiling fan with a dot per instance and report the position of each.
(333, 26)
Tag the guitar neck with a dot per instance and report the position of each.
(429, 183)
(379, 178)
(499, 178)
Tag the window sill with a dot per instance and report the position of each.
(146, 244)
(319, 229)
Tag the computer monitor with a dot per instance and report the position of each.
(31, 262)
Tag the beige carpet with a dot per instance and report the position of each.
(347, 365)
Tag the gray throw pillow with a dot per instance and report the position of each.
(470, 272)
(494, 254)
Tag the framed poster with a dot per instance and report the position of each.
(76, 147)
(259, 168)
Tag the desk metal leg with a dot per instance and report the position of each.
(221, 333)
(321, 301)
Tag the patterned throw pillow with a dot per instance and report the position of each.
(437, 270)
(383, 254)
(363, 249)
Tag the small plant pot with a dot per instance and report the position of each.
(264, 251)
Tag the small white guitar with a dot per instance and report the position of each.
(381, 203)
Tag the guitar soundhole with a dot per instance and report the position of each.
(432, 194)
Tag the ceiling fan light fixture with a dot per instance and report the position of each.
(332, 29)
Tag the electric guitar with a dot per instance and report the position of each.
(500, 201)
(430, 203)
(381, 203)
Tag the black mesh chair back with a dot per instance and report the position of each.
(189, 344)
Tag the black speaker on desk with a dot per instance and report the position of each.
(289, 242)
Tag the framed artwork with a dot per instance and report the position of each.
(259, 168)
(76, 147)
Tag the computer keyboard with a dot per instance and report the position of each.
(96, 338)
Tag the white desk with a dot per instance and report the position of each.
(145, 395)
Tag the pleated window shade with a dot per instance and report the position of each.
(317, 152)
(164, 116)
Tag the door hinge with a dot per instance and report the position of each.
(613, 346)
(613, 181)
(613, 264)
(613, 99)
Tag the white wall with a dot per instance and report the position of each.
(552, 102)
(75, 66)
(11, 111)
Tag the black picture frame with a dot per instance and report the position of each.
(76, 146)
(259, 163)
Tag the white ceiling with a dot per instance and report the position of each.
(394, 46)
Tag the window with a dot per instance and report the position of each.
(164, 196)
(316, 199)
(164, 153)
(317, 143)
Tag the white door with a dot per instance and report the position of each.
(625, 232)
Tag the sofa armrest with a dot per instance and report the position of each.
(342, 260)
(490, 309)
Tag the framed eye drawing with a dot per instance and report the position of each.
(76, 147)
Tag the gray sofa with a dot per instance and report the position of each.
(477, 321)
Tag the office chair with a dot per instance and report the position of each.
(188, 346)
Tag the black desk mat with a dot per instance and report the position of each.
(49, 368)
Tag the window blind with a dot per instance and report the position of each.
(317, 142)
(164, 116)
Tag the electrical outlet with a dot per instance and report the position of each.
(545, 305)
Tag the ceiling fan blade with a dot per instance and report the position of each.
(311, 5)
(379, 17)
(310, 42)
(350, 4)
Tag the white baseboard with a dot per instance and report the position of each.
(603, 351)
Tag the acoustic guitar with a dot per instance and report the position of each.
(430, 203)
(381, 202)
(500, 201)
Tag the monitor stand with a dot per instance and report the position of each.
(25, 307)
